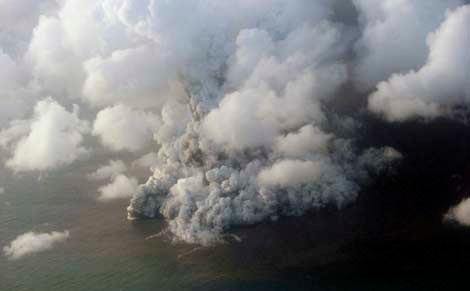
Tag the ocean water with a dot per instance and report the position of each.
(363, 247)
(104, 251)
(107, 252)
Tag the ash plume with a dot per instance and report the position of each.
(251, 141)
(234, 105)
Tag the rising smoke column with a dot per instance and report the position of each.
(253, 141)
(233, 94)
(245, 133)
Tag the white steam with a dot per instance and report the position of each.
(120, 187)
(234, 100)
(394, 36)
(146, 161)
(291, 173)
(52, 138)
(437, 87)
(259, 144)
(122, 128)
(460, 213)
(32, 242)
(113, 169)
(17, 21)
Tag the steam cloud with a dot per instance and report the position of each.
(394, 36)
(234, 96)
(120, 185)
(53, 137)
(32, 242)
(257, 146)
(460, 213)
(146, 161)
(437, 87)
(113, 169)
(121, 128)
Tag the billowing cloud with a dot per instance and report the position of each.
(17, 21)
(146, 161)
(441, 84)
(290, 173)
(283, 90)
(235, 157)
(460, 213)
(393, 36)
(52, 138)
(308, 139)
(120, 187)
(113, 169)
(108, 80)
(32, 242)
(14, 95)
(236, 98)
(54, 67)
(123, 128)
(17, 129)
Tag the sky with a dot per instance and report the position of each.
(228, 104)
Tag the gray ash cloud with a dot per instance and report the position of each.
(230, 102)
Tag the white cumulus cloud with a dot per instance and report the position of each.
(393, 37)
(439, 85)
(53, 139)
(123, 128)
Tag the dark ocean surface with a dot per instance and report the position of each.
(392, 238)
